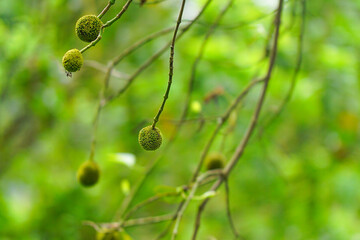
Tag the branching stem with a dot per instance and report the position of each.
(241, 147)
(108, 23)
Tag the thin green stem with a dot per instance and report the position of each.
(171, 63)
(93, 43)
(118, 16)
(104, 11)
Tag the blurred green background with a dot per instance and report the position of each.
(299, 180)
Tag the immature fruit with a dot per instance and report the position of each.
(72, 60)
(88, 173)
(215, 161)
(88, 27)
(150, 139)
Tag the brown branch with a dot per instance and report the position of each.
(241, 147)
(228, 211)
(220, 124)
(295, 74)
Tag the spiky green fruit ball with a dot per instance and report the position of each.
(88, 27)
(215, 161)
(150, 138)
(88, 173)
(72, 60)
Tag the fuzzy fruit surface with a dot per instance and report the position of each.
(215, 161)
(88, 27)
(150, 139)
(88, 173)
(72, 60)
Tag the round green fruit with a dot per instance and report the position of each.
(88, 27)
(150, 138)
(88, 173)
(72, 60)
(215, 161)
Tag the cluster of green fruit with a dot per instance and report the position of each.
(87, 28)
(149, 138)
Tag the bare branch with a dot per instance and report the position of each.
(295, 74)
(228, 211)
(220, 124)
(241, 147)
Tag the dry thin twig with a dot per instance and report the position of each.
(221, 122)
(296, 71)
(228, 211)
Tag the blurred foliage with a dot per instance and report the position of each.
(300, 180)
